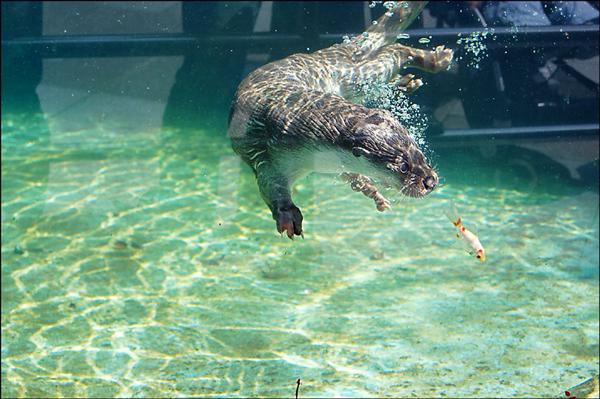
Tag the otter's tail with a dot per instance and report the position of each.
(389, 25)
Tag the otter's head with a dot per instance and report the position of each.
(393, 153)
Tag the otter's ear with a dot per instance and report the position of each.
(358, 151)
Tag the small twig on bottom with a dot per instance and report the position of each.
(297, 387)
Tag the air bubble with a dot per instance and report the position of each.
(403, 36)
(474, 46)
(391, 97)
(424, 40)
(390, 5)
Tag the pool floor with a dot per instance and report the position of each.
(146, 264)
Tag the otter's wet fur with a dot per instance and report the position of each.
(303, 114)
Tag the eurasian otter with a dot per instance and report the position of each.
(297, 115)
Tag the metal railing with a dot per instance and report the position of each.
(180, 44)
(583, 130)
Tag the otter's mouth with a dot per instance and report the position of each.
(414, 192)
(417, 187)
(406, 189)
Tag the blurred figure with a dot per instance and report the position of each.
(537, 13)
(527, 87)
(538, 67)
(207, 80)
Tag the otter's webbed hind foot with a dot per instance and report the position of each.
(274, 187)
(406, 83)
(433, 61)
(386, 64)
(364, 185)
(289, 220)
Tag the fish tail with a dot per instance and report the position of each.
(452, 215)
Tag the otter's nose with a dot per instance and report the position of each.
(429, 182)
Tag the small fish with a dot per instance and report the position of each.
(469, 237)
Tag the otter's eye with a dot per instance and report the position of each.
(403, 167)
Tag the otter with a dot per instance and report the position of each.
(304, 114)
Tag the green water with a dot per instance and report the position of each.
(145, 264)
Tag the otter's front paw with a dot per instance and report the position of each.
(381, 202)
(289, 219)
